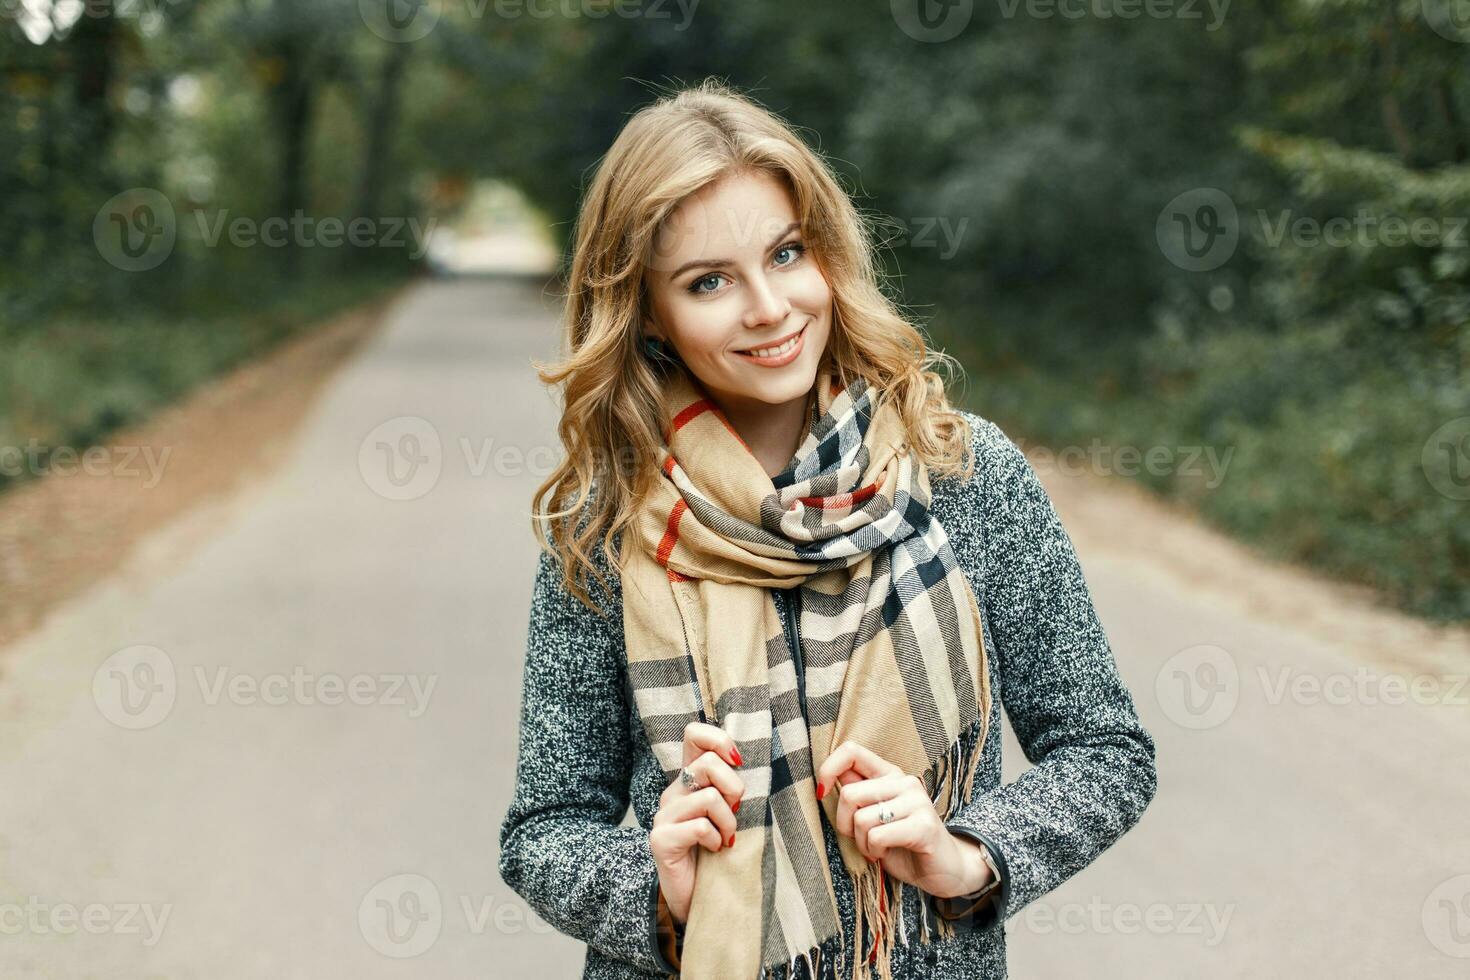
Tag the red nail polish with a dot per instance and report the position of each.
(735, 754)
(821, 791)
(731, 841)
(736, 807)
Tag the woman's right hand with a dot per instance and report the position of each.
(687, 818)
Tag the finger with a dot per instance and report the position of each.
(855, 756)
(710, 803)
(861, 792)
(699, 832)
(866, 820)
(701, 737)
(904, 832)
(673, 838)
(711, 770)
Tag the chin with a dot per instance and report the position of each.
(779, 391)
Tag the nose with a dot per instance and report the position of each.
(766, 307)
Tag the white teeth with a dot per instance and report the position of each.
(775, 351)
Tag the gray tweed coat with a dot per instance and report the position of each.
(583, 755)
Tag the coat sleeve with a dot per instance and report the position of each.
(562, 847)
(1093, 770)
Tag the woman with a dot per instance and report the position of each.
(788, 664)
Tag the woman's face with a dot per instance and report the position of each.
(730, 274)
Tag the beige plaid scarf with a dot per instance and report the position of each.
(894, 659)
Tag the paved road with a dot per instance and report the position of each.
(281, 744)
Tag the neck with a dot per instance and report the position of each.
(773, 432)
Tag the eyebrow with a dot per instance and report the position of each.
(721, 263)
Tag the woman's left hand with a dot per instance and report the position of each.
(915, 846)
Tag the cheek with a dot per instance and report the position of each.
(811, 292)
(700, 327)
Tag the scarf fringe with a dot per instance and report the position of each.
(874, 906)
(821, 962)
(880, 897)
(964, 759)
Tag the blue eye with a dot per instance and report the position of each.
(796, 247)
(694, 286)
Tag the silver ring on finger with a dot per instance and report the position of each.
(688, 778)
(885, 815)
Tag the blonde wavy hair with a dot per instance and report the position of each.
(611, 421)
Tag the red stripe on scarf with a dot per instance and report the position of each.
(671, 535)
(671, 532)
(841, 500)
(693, 412)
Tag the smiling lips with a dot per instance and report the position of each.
(778, 354)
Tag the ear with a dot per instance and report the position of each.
(651, 330)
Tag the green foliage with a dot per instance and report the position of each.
(85, 376)
(1016, 173)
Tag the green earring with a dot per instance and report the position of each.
(657, 351)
